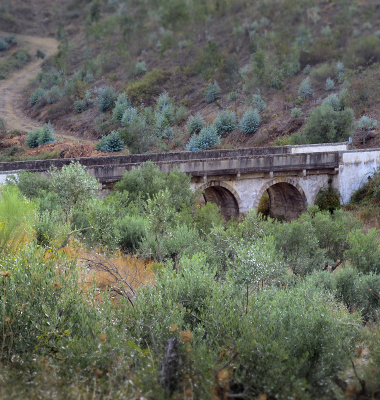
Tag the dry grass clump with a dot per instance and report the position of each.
(121, 274)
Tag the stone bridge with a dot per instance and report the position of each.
(237, 179)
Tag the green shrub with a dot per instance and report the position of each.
(3, 125)
(212, 92)
(22, 56)
(80, 105)
(129, 115)
(325, 125)
(327, 199)
(250, 121)
(258, 102)
(140, 68)
(362, 51)
(53, 95)
(3, 45)
(11, 39)
(195, 123)
(339, 71)
(163, 101)
(147, 181)
(296, 112)
(208, 137)
(37, 95)
(225, 122)
(305, 90)
(121, 104)
(231, 96)
(111, 142)
(326, 31)
(148, 87)
(181, 114)
(334, 102)
(364, 252)
(106, 98)
(330, 85)
(40, 54)
(307, 69)
(366, 123)
(45, 135)
(131, 231)
(32, 138)
(17, 216)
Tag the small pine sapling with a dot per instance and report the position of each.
(334, 102)
(307, 69)
(38, 94)
(46, 134)
(366, 124)
(129, 115)
(225, 122)
(250, 121)
(258, 102)
(305, 90)
(329, 84)
(208, 137)
(106, 98)
(140, 68)
(3, 45)
(32, 138)
(212, 92)
(339, 72)
(111, 142)
(296, 112)
(195, 123)
(80, 105)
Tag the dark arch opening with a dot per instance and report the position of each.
(286, 202)
(224, 199)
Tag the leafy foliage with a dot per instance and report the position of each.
(106, 98)
(207, 137)
(325, 125)
(329, 84)
(111, 142)
(140, 68)
(37, 95)
(195, 123)
(212, 92)
(296, 112)
(258, 102)
(305, 90)
(250, 121)
(225, 122)
(3, 45)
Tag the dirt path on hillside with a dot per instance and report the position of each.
(11, 90)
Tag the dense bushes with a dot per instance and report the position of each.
(212, 92)
(38, 137)
(148, 87)
(207, 137)
(225, 122)
(326, 124)
(106, 98)
(111, 142)
(216, 283)
(250, 121)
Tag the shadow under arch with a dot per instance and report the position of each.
(286, 197)
(224, 196)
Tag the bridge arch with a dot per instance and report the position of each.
(224, 195)
(286, 196)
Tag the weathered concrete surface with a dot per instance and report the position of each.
(237, 179)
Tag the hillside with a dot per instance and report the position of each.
(259, 53)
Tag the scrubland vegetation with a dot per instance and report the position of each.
(291, 71)
(147, 293)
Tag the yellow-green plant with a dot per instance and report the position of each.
(16, 220)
